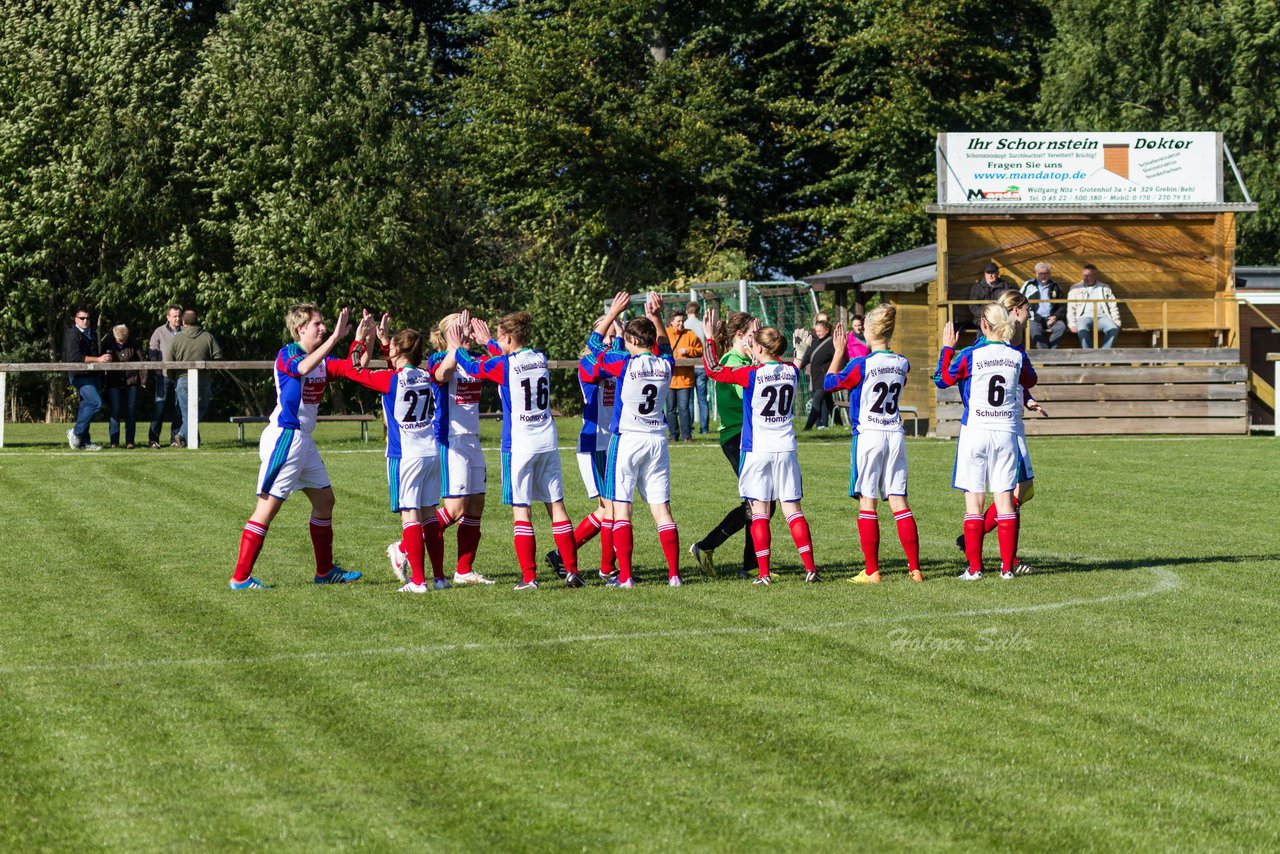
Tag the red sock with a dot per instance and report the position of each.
(566, 543)
(251, 539)
(468, 542)
(760, 536)
(869, 536)
(411, 536)
(526, 551)
(623, 546)
(586, 529)
(669, 537)
(973, 531)
(989, 518)
(800, 536)
(322, 542)
(607, 562)
(433, 542)
(909, 534)
(445, 519)
(1007, 528)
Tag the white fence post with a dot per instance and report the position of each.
(193, 408)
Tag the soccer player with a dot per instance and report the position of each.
(413, 467)
(290, 460)
(638, 453)
(991, 376)
(878, 466)
(733, 337)
(462, 467)
(530, 457)
(593, 450)
(770, 466)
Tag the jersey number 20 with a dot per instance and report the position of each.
(777, 400)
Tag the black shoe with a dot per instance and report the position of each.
(556, 563)
(744, 575)
(960, 542)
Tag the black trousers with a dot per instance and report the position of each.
(737, 519)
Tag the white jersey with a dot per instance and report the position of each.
(768, 404)
(640, 396)
(458, 404)
(410, 408)
(874, 401)
(994, 392)
(524, 384)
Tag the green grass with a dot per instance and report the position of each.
(1122, 698)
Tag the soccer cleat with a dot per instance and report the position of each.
(705, 559)
(744, 575)
(413, 588)
(865, 577)
(440, 584)
(606, 577)
(763, 580)
(674, 581)
(398, 562)
(614, 582)
(1022, 569)
(812, 577)
(249, 583)
(73, 440)
(960, 542)
(1006, 574)
(572, 579)
(556, 563)
(917, 576)
(526, 585)
(472, 577)
(970, 576)
(338, 575)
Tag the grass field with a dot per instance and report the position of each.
(1122, 698)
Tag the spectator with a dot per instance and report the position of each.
(1081, 312)
(985, 290)
(693, 323)
(158, 351)
(81, 347)
(192, 344)
(684, 345)
(818, 360)
(1049, 315)
(122, 386)
(856, 347)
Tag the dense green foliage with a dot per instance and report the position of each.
(410, 155)
(1123, 699)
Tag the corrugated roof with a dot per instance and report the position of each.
(901, 271)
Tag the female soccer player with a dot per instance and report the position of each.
(638, 453)
(290, 460)
(462, 466)
(409, 397)
(879, 458)
(530, 457)
(593, 449)
(733, 338)
(991, 375)
(770, 466)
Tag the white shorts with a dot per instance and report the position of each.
(878, 466)
(591, 465)
(770, 476)
(986, 458)
(413, 482)
(462, 469)
(1024, 459)
(290, 461)
(638, 461)
(530, 477)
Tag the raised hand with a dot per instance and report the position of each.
(384, 328)
(621, 300)
(480, 330)
(712, 322)
(949, 335)
(343, 325)
(365, 327)
(840, 337)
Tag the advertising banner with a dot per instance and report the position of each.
(1000, 169)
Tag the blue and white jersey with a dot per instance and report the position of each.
(410, 407)
(875, 383)
(993, 379)
(457, 411)
(640, 397)
(297, 396)
(524, 385)
(597, 400)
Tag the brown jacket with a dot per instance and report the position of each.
(684, 346)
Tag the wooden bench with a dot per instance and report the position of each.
(241, 420)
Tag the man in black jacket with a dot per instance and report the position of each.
(80, 345)
(1048, 308)
(987, 289)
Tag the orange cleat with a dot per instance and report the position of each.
(917, 576)
(865, 577)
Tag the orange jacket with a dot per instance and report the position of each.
(683, 346)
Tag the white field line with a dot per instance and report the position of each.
(1166, 581)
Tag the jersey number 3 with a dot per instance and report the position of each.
(650, 402)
